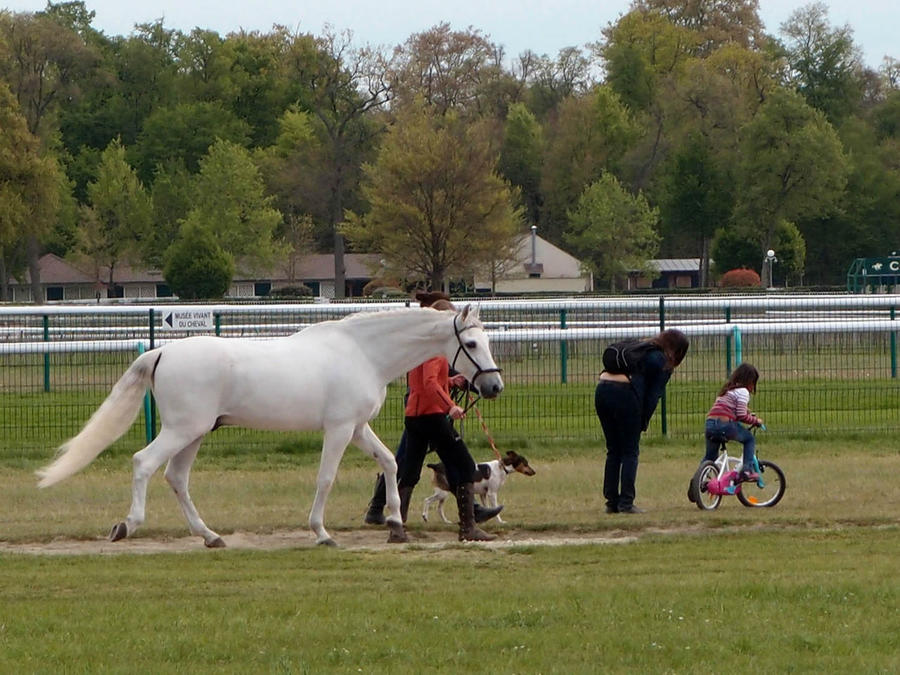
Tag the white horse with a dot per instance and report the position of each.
(331, 376)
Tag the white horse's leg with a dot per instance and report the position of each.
(146, 462)
(367, 441)
(178, 472)
(333, 446)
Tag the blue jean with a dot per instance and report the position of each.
(733, 431)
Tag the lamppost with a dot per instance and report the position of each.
(768, 262)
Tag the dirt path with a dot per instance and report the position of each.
(350, 540)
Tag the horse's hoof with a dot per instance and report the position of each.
(218, 542)
(118, 531)
(327, 542)
(397, 533)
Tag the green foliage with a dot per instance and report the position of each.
(611, 230)
(520, 158)
(590, 137)
(118, 219)
(436, 203)
(792, 166)
(184, 134)
(196, 266)
(230, 202)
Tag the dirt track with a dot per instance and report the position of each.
(350, 540)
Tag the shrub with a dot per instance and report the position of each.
(196, 267)
(739, 278)
(298, 291)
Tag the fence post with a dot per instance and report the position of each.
(893, 345)
(662, 404)
(563, 350)
(46, 354)
(218, 320)
(738, 346)
(148, 428)
(152, 333)
(728, 343)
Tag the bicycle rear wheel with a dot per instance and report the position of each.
(705, 500)
(772, 476)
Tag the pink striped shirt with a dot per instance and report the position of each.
(733, 405)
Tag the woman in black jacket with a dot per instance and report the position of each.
(625, 403)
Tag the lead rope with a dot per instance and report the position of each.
(484, 427)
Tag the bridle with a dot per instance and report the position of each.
(462, 350)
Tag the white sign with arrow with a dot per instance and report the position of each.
(188, 319)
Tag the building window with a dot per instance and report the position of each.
(262, 288)
(163, 291)
(54, 293)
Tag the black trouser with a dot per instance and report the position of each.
(620, 415)
(437, 431)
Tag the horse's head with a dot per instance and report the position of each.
(473, 354)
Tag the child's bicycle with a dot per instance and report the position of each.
(715, 479)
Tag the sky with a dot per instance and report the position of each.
(543, 26)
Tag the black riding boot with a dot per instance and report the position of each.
(465, 502)
(483, 513)
(375, 514)
(405, 495)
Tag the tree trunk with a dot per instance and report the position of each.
(4, 280)
(704, 263)
(34, 269)
(340, 273)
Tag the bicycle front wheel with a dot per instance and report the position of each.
(705, 500)
(751, 494)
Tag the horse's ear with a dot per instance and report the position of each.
(470, 314)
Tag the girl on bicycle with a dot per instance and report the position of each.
(726, 415)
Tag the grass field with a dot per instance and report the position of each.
(809, 586)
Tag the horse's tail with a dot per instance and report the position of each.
(112, 419)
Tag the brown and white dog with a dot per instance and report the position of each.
(486, 488)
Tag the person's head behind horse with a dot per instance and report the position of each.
(428, 298)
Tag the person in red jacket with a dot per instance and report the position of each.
(375, 512)
(429, 414)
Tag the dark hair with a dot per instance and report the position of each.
(427, 298)
(744, 375)
(441, 304)
(674, 345)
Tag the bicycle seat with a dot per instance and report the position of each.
(717, 436)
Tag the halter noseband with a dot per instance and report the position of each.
(462, 348)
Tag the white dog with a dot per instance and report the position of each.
(486, 488)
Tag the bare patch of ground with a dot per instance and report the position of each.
(351, 540)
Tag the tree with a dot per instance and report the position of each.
(342, 86)
(696, 199)
(437, 206)
(184, 134)
(119, 216)
(31, 186)
(231, 204)
(447, 69)
(792, 167)
(825, 65)
(717, 22)
(590, 137)
(520, 158)
(42, 60)
(196, 267)
(612, 230)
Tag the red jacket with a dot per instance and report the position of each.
(429, 388)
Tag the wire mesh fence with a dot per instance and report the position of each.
(828, 364)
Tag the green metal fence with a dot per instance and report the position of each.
(828, 363)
